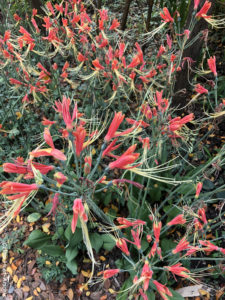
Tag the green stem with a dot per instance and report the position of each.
(97, 163)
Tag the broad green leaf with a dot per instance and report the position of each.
(150, 295)
(108, 242)
(71, 253)
(96, 241)
(37, 239)
(52, 250)
(72, 266)
(33, 217)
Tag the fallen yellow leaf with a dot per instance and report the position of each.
(19, 283)
(45, 227)
(70, 294)
(102, 258)
(26, 289)
(86, 274)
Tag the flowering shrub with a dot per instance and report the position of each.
(145, 163)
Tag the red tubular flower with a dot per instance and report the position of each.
(47, 122)
(212, 64)
(16, 17)
(110, 148)
(135, 62)
(143, 295)
(109, 273)
(122, 245)
(153, 250)
(115, 24)
(161, 51)
(177, 123)
(203, 11)
(14, 168)
(55, 203)
(177, 220)
(169, 41)
(124, 222)
(198, 189)
(200, 89)
(146, 275)
(182, 245)
(137, 123)
(137, 241)
(166, 15)
(49, 151)
(178, 270)
(126, 159)
(145, 142)
(97, 64)
(210, 247)
(10, 187)
(196, 4)
(192, 250)
(202, 216)
(161, 103)
(19, 167)
(162, 289)
(64, 109)
(117, 120)
(87, 165)
(156, 230)
(146, 110)
(81, 57)
(60, 178)
(80, 135)
(78, 211)
(50, 7)
(149, 238)
(121, 49)
(15, 81)
(35, 25)
(118, 181)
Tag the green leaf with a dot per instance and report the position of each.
(125, 290)
(167, 245)
(176, 296)
(33, 217)
(144, 245)
(37, 239)
(96, 241)
(71, 253)
(150, 295)
(72, 266)
(52, 250)
(108, 242)
(76, 237)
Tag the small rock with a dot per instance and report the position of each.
(42, 286)
(45, 295)
(35, 284)
(11, 290)
(19, 293)
(95, 296)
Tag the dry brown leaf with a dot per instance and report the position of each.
(220, 293)
(26, 289)
(70, 294)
